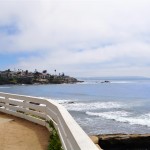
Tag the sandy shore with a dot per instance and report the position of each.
(19, 134)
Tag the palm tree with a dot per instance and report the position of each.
(44, 71)
(55, 71)
(26, 72)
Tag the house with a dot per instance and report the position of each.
(7, 74)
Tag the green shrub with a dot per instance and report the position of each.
(54, 142)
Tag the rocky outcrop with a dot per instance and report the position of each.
(26, 77)
(32, 80)
(106, 81)
(62, 79)
(123, 141)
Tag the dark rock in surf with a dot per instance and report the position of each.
(106, 81)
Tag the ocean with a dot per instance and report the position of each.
(121, 106)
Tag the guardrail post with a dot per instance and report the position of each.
(6, 103)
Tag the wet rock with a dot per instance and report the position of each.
(106, 81)
(125, 141)
(71, 102)
(63, 79)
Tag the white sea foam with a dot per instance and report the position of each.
(4, 87)
(121, 82)
(63, 101)
(123, 116)
(89, 82)
(79, 106)
(111, 81)
(60, 101)
(109, 115)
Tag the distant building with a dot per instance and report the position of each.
(7, 74)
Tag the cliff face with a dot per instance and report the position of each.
(124, 141)
(32, 80)
(63, 79)
(26, 77)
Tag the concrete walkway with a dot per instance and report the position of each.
(19, 134)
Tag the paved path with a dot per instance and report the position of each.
(19, 134)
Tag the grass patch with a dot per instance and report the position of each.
(37, 117)
(19, 111)
(54, 142)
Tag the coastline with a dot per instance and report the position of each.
(108, 111)
(26, 77)
(32, 81)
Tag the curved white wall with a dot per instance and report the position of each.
(40, 110)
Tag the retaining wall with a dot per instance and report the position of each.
(40, 111)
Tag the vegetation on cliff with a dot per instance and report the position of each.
(26, 77)
(54, 143)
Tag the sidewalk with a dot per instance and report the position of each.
(19, 134)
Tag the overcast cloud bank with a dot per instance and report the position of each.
(79, 37)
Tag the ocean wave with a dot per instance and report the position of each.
(64, 101)
(79, 106)
(4, 87)
(109, 115)
(75, 105)
(90, 82)
(122, 82)
(111, 81)
(123, 116)
(60, 101)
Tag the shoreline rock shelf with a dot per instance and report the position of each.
(122, 141)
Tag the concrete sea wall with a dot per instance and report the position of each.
(41, 111)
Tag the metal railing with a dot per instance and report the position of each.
(40, 111)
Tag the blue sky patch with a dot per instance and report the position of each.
(10, 29)
(12, 59)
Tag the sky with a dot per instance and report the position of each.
(77, 37)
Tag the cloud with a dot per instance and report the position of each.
(73, 33)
